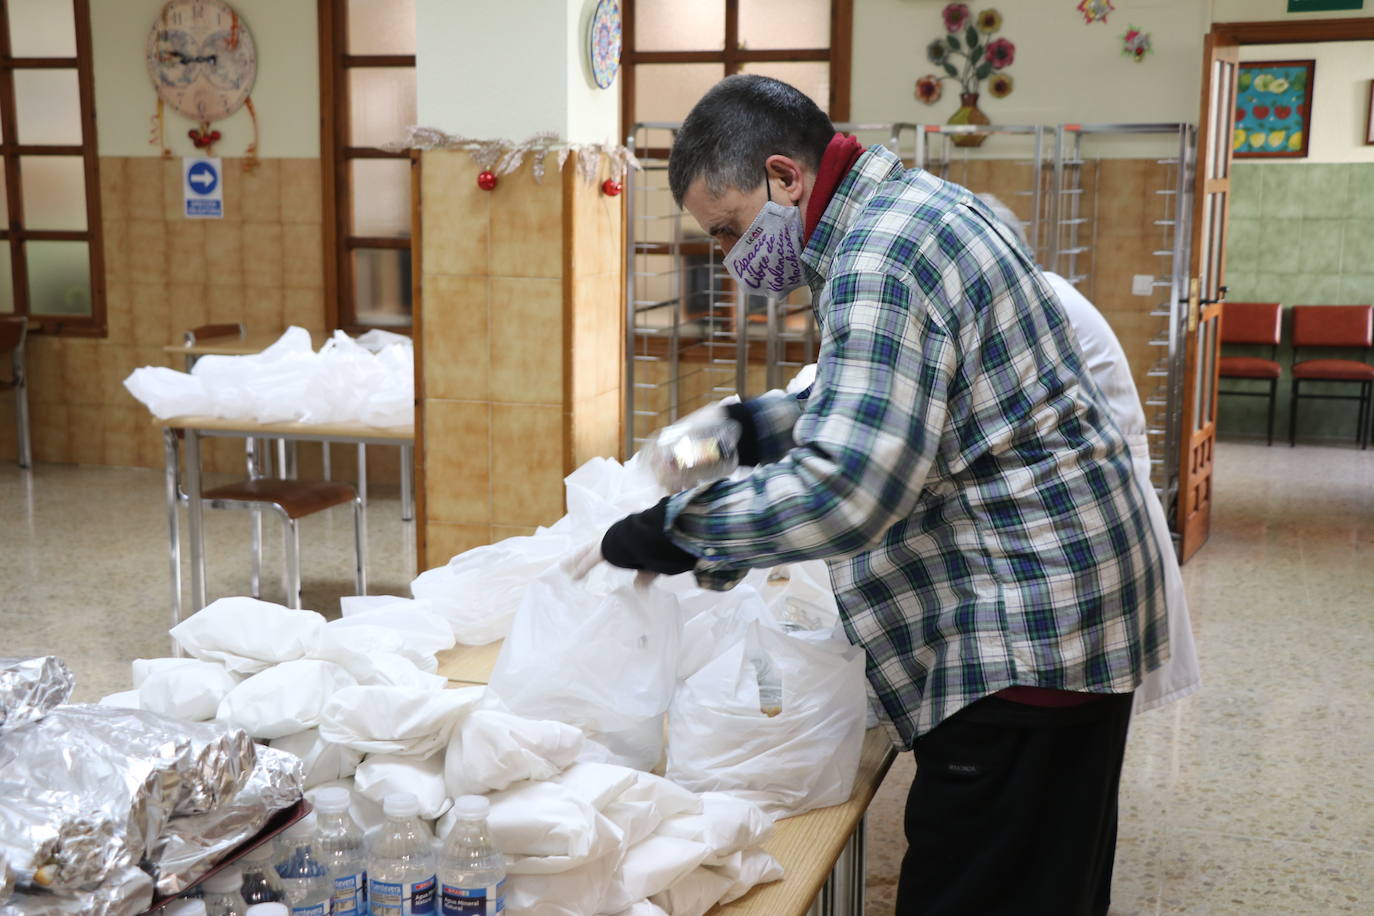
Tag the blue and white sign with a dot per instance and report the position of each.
(202, 187)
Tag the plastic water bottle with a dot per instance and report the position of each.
(304, 879)
(184, 906)
(400, 863)
(260, 881)
(472, 872)
(222, 897)
(268, 909)
(339, 847)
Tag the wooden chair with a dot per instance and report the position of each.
(1344, 326)
(13, 332)
(1253, 323)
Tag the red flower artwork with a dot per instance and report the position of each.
(929, 89)
(956, 17)
(1001, 53)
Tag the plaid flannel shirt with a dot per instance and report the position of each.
(954, 464)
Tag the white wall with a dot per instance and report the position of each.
(1340, 96)
(1268, 10)
(510, 69)
(1065, 71)
(286, 94)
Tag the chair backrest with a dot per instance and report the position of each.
(1251, 323)
(206, 331)
(1333, 325)
(13, 329)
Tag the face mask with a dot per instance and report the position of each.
(768, 256)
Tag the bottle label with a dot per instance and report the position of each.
(389, 899)
(317, 909)
(350, 895)
(465, 901)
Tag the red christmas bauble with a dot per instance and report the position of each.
(610, 187)
(486, 180)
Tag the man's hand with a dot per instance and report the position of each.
(582, 561)
(638, 542)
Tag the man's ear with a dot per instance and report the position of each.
(787, 172)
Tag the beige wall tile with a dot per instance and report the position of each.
(304, 308)
(9, 435)
(81, 378)
(443, 541)
(43, 356)
(173, 197)
(150, 442)
(232, 177)
(121, 435)
(143, 188)
(223, 253)
(186, 252)
(455, 215)
(261, 192)
(300, 191)
(527, 340)
(114, 188)
(597, 345)
(119, 312)
(116, 362)
(527, 464)
(147, 248)
(596, 428)
(264, 309)
(501, 532)
(527, 224)
(225, 304)
(455, 338)
(115, 241)
(262, 254)
(51, 433)
(597, 242)
(188, 307)
(303, 256)
(457, 459)
(86, 434)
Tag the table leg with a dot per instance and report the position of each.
(326, 461)
(171, 461)
(291, 467)
(362, 473)
(195, 519)
(407, 485)
(254, 524)
(281, 460)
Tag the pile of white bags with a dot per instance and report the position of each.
(369, 380)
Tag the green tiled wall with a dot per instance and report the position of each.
(1300, 234)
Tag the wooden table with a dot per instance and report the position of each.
(191, 429)
(821, 852)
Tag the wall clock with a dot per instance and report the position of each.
(202, 62)
(604, 41)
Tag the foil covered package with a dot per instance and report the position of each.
(30, 688)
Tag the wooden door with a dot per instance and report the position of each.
(1207, 289)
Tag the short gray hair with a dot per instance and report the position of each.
(737, 125)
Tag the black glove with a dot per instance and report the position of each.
(748, 447)
(638, 542)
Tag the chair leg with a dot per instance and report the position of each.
(21, 417)
(1293, 416)
(359, 547)
(293, 564)
(255, 534)
(1273, 402)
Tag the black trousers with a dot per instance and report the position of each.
(1013, 810)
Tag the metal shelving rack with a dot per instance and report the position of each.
(689, 331)
(1073, 255)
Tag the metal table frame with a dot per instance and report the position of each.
(192, 429)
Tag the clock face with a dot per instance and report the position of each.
(201, 58)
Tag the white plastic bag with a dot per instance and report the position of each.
(643, 806)
(748, 869)
(551, 887)
(492, 749)
(169, 393)
(597, 784)
(695, 893)
(423, 632)
(322, 761)
(284, 699)
(126, 699)
(652, 867)
(379, 775)
(412, 721)
(804, 757)
(186, 689)
(478, 592)
(603, 663)
(374, 655)
(727, 824)
(542, 819)
(643, 908)
(247, 635)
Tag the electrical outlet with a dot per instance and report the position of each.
(1142, 285)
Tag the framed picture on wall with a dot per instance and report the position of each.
(1273, 109)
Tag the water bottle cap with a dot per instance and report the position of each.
(302, 829)
(268, 909)
(224, 882)
(472, 808)
(184, 908)
(333, 800)
(401, 804)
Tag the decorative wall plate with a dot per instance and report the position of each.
(604, 42)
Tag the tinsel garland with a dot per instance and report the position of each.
(503, 157)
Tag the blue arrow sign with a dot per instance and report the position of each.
(202, 178)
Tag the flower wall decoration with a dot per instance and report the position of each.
(968, 53)
(1095, 10)
(1135, 44)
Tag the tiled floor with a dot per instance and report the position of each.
(1255, 796)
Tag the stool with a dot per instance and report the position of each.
(293, 500)
(13, 331)
(1349, 326)
(1253, 323)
